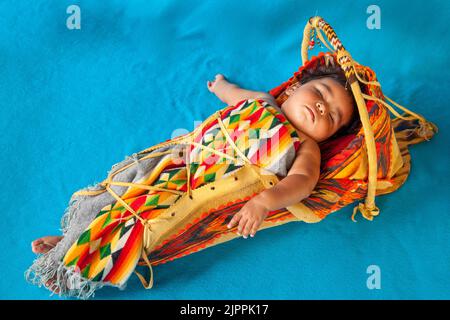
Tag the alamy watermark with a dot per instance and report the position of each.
(374, 280)
(374, 20)
(74, 20)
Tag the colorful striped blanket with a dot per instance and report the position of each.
(217, 167)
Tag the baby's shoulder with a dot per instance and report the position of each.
(307, 159)
(307, 144)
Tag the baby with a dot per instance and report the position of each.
(319, 107)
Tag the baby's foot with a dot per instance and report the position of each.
(50, 285)
(44, 244)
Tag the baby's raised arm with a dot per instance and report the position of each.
(230, 93)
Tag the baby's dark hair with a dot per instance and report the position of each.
(335, 72)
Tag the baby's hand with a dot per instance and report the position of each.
(250, 217)
(215, 84)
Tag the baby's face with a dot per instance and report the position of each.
(319, 108)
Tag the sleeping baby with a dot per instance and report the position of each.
(318, 107)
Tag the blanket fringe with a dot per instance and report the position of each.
(49, 267)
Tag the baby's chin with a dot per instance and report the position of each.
(308, 130)
(305, 129)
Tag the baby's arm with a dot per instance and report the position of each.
(231, 94)
(299, 182)
(296, 186)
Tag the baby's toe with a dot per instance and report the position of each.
(50, 284)
(35, 245)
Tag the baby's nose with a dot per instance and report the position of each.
(321, 107)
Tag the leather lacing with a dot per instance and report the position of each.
(147, 223)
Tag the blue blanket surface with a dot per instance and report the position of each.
(76, 101)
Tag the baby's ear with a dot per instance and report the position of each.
(292, 88)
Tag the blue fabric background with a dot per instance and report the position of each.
(74, 102)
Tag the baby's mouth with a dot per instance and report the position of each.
(313, 117)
